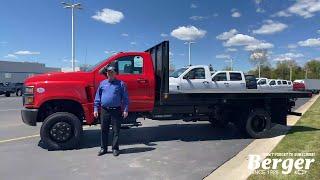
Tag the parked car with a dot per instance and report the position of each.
(200, 77)
(8, 88)
(263, 83)
(191, 77)
(311, 85)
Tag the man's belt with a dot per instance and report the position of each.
(112, 108)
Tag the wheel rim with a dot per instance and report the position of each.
(61, 132)
(20, 93)
(258, 124)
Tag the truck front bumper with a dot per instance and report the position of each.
(29, 116)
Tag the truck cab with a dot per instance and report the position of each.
(229, 80)
(191, 77)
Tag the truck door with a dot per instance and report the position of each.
(132, 70)
(220, 81)
(237, 82)
(194, 79)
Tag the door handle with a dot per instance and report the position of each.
(142, 81)
(205, 82)
(226, 83)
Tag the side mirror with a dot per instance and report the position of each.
(186, 77)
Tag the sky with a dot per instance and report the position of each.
(40, 31)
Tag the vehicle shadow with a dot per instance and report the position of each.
(149, 136)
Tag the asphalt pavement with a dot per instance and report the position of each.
(158, 150)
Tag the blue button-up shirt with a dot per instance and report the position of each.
(111, 94)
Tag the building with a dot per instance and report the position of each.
(15, 72)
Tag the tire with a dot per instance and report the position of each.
(19, 92)
(8, 94)
(257, 124)
(55, 133)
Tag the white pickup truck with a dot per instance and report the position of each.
(274, 84)
(200, 77)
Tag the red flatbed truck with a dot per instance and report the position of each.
(63, 102)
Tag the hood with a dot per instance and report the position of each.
(61, 76)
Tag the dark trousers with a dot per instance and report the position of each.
(114, 117)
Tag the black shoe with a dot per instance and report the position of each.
(115, 152)
(102, 152)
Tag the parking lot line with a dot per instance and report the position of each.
(27, 137)
(9, 110)
(19, 138)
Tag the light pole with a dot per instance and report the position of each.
(73, 48)
(231, 63)
(189, 43)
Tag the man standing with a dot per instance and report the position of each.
(111, 95)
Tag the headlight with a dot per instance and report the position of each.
(29, 90)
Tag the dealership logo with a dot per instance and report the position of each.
(284, 163)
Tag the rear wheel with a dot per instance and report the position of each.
(257, 124)
(61, 130)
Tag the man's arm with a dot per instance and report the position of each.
(97, 99)
(125, 97)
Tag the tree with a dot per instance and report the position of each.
(259, 57)
(313, 69)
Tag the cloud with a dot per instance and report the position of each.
(318, 31)
(259, 45)
(249, 42)
(270, 27)
(240, 40)
(236, 14)
(281, 14)
(198, 18)
(133, 43)
(164, 35)
(108, 16)
(3, 43)
(310, 42)
(223, 56)
(292, 46)
(231, 49)
(288, 56)
(11, 56)
(193, 6)
(110, 52)
(227, 35)
(26, 53)
(303, 8)
(125, 34)
(188, 33)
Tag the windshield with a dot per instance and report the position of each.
(177, 72)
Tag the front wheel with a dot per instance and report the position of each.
(7, 94)
(61, 131)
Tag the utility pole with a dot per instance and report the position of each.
(73, 49)
(189, 43)
(259, 69)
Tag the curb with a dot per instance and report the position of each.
(237, 167)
